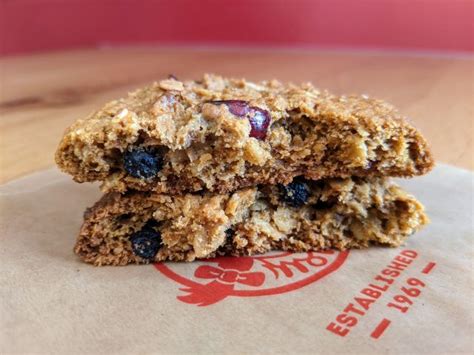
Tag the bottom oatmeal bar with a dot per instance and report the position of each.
(141, 227)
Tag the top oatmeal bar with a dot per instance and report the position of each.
(221, 134)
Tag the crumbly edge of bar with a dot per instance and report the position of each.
(313, 133)
(341, 214)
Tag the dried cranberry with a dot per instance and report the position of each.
(236, 107)
(259, 119)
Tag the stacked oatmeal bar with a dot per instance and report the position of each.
(220, 166)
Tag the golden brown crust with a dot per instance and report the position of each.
(340, 213)
(313, 133)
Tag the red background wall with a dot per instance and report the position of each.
(38, 25)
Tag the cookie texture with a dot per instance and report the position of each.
(219, 135)
(340, 213)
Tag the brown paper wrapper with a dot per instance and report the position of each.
(414, 299)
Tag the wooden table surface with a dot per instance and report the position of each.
(42, 94)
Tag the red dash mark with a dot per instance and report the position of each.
(428, 268)
(378, 331)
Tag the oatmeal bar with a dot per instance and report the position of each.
(223, 134)
(143, 227)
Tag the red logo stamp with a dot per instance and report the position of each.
(209, 281)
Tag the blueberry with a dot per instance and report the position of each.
(146, 243)
(229, 233)
(142, 163)
(294, 194)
